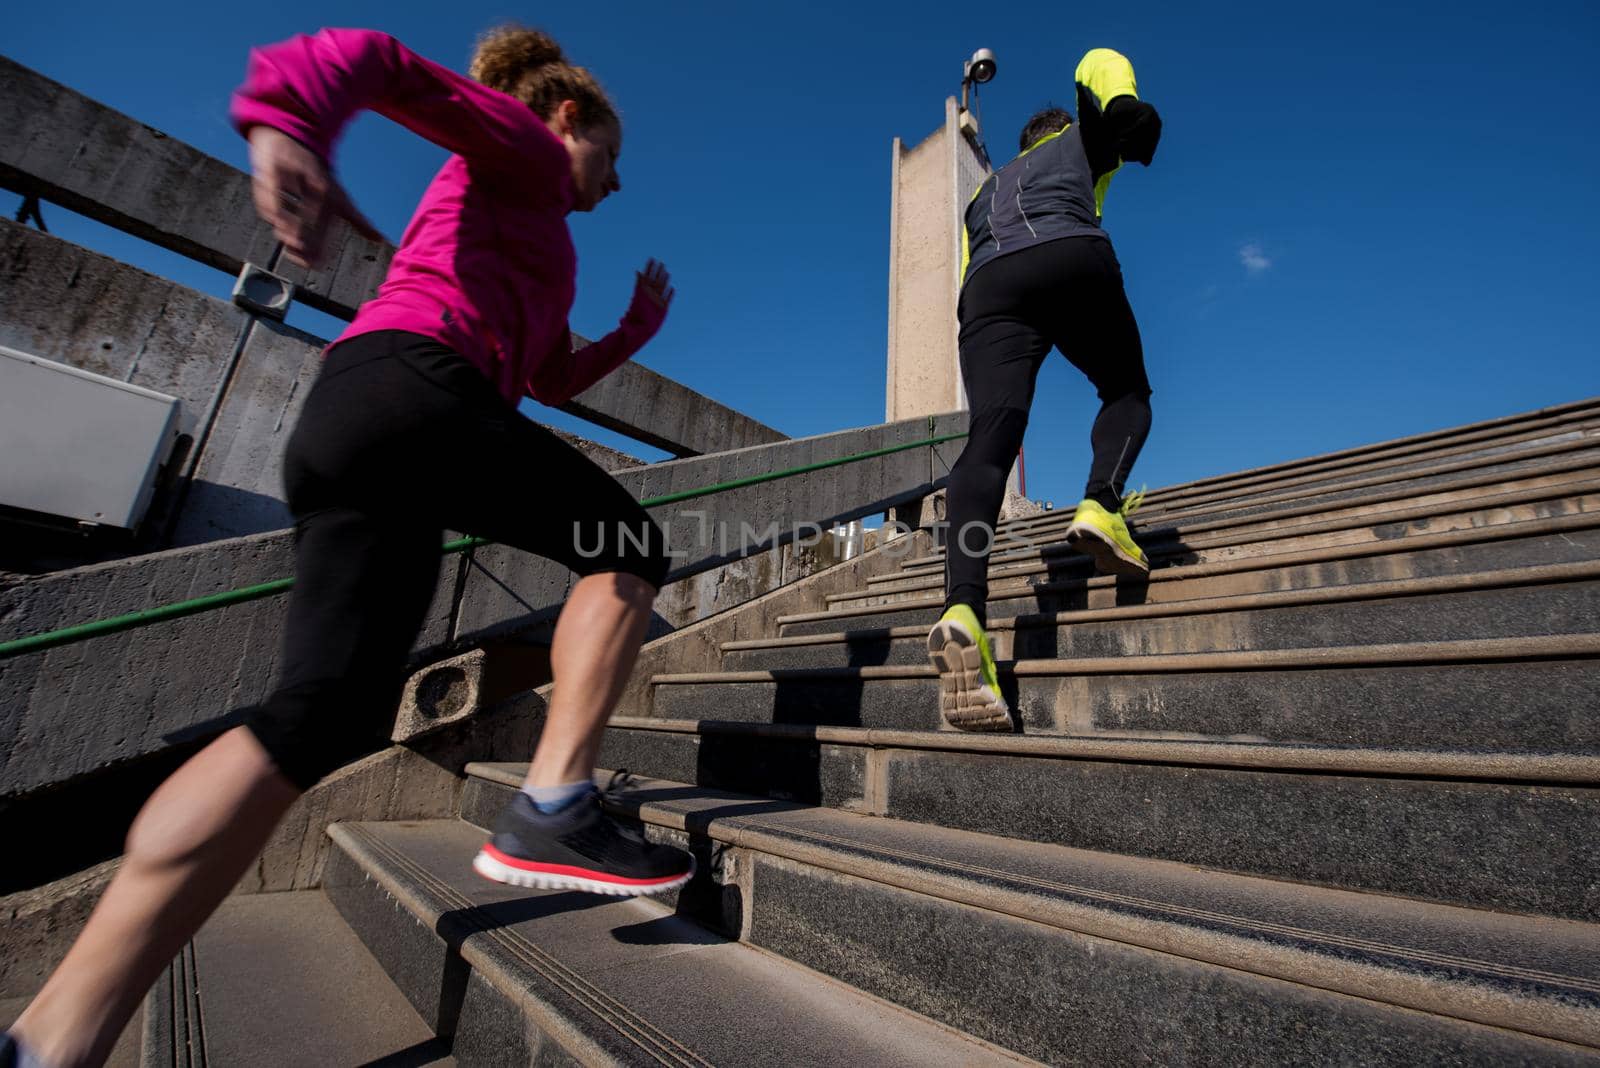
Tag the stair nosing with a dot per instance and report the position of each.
(1159, 512)
(1270, 562)
(1379, 590)
(1489, 766)
(1485, 650)
(1313, 962)
(925, 565)
(384, 864)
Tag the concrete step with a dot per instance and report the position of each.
(1565, 540)
(1541, 497)
(1167, 504)
(280, 979)
(570, 978)
(1420, 444)
(1508, 832)
(1176, 548)
(1495, 456)
(1153, 962)
(1516, 602)
(1521, 463)
(1250, 524)
(1511, 695)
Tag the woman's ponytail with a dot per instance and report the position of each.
(529, 65)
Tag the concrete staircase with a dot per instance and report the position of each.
(1324, 790)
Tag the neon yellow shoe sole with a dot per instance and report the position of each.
(969, 693)
(1104, 536)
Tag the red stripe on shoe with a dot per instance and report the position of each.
(578, 873)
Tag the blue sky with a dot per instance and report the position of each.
(1364, 221)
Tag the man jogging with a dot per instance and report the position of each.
(1038, 273)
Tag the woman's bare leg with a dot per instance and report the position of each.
(597, 640)
(188, 847)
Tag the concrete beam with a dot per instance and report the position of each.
(69, 711)
(77, 307)
(71, 150)
(652, 408)
(504, 586)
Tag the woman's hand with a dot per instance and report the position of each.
(654, 283)
(297, 196)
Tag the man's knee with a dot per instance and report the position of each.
(994, 437)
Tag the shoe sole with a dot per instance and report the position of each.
(962, 699)
(1109, 557)
(558, 877)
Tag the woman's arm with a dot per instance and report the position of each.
(309, 87)
(569, 372)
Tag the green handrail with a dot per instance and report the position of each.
(145, 617)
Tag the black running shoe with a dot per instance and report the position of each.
(8, 1051)
(582, 847)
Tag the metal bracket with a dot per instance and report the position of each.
(260, 292)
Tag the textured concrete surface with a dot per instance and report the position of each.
(1251, 622)
(279, 979)
(704, 533)
(1520, 501)
(930, 184)
(1455, 461)
(1455, 444)
(76, 152)
(1069, 999)
(603, 978)
(1487, 845)
(654, 409)
(237, 482)
(37, 927)
(81, 707)
(1572, 539)
(1432, 478)
(73, 306)
(1396, 447)
(1530, 975)
(1291, 696)
(1463, 832)
(76, 708)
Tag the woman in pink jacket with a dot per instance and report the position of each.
(411, 429)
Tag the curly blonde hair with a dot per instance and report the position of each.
(529, 65)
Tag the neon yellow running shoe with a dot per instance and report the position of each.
(1104, 536)
(969, 692)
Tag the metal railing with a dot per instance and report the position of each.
(145, 617)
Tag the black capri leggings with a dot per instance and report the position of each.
(1064, 294)
(401, 439)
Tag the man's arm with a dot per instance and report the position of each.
(1116, 125)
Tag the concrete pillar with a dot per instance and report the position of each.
(932, 183)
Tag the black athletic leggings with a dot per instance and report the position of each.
(401, 439)
(1065, 294)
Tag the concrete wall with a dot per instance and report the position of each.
(73, 151)
(70, 711)
(931, 185)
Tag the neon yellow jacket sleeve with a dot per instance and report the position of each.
(1106, 74)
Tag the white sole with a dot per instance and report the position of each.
(965, 701)
(498, 871)
(1109, 559)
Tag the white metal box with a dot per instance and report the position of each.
(80, 445)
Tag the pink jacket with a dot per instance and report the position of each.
(486, 265)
